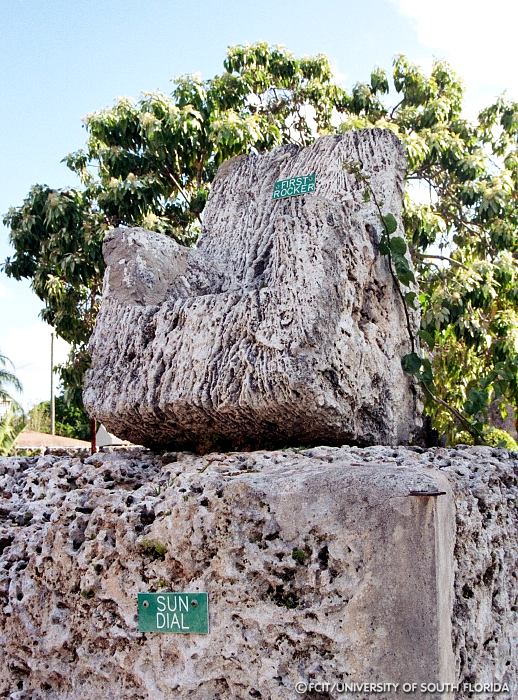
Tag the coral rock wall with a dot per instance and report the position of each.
(318, 563)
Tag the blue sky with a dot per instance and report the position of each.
(61, 60)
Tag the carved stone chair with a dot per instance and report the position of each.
(282, 327)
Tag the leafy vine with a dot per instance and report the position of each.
(395, 249)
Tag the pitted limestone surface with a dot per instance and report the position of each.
(317, 563)
(283, 326)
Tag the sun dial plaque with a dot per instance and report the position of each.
(173, 613)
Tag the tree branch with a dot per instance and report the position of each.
(456, 414)
(422, 256)
(182, 192)
(392, 111)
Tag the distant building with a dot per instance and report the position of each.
(32, 440)
(106, 439)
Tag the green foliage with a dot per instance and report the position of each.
(151, 163)
(411, 363)
(299, 555)
(88, 593)
(8, 381)
(495, 437)
(469, 288)
(57, 240)
(71, 420)
(501, 438)
(11, 424)
(153, 548)
(284, 598)
(390, 224)
(11, 414)
(38, 418)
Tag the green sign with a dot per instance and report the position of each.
(176, 613)
(294, 186)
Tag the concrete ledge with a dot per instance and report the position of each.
(319, 564)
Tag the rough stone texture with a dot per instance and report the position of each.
(283, 326)
(368, 597)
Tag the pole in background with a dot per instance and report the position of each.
(52, 400)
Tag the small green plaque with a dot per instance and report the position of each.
(293, 186)
(175, 613)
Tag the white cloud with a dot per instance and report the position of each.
(28, 347)
(477, 38)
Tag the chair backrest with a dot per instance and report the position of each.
(241, 211)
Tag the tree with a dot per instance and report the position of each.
(469, 285)
(71, 420)
(10, 426)
(8, 380)
(11, 420)
(151, 163)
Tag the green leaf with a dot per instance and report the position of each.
(411, 363)
(426, 373)
(476, 401)
(428, 338)
(384, 248)
(406, 277)
(410, 298)
(390, 223)
(398, 245)
(379, 82)
(403, 271)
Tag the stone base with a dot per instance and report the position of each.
(321, 566)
